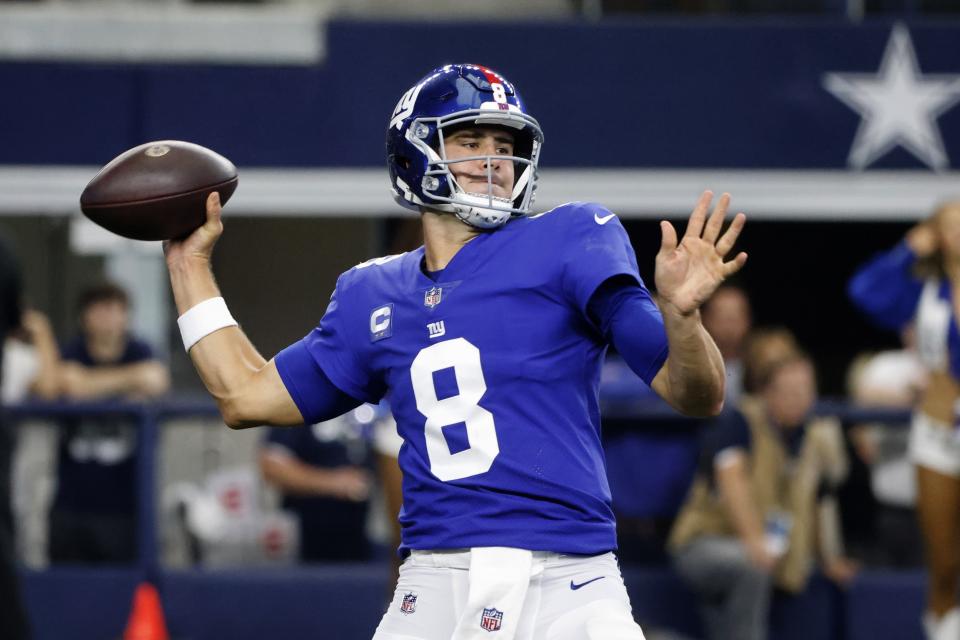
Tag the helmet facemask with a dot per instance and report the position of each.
(484, 210)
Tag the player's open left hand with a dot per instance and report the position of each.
(199, 244)
(689, 272)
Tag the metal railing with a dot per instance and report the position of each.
(146, 418)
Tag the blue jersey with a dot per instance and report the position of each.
(491, 368)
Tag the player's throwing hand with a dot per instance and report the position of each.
(688, 273)
(199, 244)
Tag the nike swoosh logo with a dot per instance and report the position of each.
(604, 219)
(574, 587)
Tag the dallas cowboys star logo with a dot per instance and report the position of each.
(899, 106)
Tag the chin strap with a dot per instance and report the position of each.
(475, 208)
(521, 183)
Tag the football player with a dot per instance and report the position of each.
(488, 340)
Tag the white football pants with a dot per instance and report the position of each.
(561, 598)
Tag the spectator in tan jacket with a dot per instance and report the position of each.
(761, 510)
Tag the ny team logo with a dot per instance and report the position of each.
(436, 329)
(409, 604)
(491, 619)
(432, 297)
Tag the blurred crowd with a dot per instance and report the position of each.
(760, 7)
(596, 8)
(742, 505)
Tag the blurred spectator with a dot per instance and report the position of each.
(727, 318)
(762, 504)
(766, 346)
(895, 378)
(31, 360)
(31, 367)
(889, 535)
(386, 444)
(646, 496)
(13, 621)
(916, 281)
(93, 518)
(323, 474)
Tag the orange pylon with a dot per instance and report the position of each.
(146, 617)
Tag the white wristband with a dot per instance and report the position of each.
(203, 319)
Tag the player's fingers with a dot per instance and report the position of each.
(214, 210)
(668, 237)
(695, 223)
(727, 240)
(715, 222)
(730, 268)
(213, 205)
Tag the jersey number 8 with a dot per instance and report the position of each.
(464, 359)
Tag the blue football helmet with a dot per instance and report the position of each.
(448, 98)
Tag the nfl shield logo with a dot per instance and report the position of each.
(409, 604)
(491, 619)
(432, 297)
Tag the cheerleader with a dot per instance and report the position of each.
(919, 279)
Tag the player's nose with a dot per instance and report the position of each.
(489, 149)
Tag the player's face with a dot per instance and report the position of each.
(791, 393)
(471, 175)
(948, 224)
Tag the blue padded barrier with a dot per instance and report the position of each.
(79, 603)
(662, 601)
(336, 601)
(345, 602)
(815, 613)
(885, 604)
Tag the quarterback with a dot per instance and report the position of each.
(488, 341)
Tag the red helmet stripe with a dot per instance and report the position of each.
(492, 76)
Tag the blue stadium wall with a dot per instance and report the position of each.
(679, 95)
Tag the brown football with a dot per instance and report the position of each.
(158, 191)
